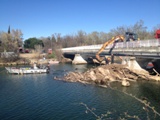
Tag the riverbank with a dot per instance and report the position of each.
(28, 59)
(31, 58)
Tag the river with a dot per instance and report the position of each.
(40, 97)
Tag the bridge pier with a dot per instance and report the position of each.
(78, 59)
(131, 63)
(125, 60)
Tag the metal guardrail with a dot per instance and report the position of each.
(140, 43)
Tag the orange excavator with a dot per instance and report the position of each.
(129, 36)
(112, 41)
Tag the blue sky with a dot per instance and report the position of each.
(36, 18)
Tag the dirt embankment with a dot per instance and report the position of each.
(105, 74)
(27, 58)
(34, 57)
(30, 58)
(39, 58)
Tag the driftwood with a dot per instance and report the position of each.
(156, 72)
(104, 74)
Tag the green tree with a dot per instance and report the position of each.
(31, 42)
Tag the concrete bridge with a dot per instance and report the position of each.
(142, 48)
(144, 51)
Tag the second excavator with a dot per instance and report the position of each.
(129, 36)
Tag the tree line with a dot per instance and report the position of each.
(12, 40)
(81, 38)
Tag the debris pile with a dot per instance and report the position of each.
(105, 74)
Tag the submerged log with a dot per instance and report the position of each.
(104, 74)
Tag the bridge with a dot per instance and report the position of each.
(142, 48)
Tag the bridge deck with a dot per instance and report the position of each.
(144, 48)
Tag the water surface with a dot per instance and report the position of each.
(40, 97)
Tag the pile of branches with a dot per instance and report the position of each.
(105, 74)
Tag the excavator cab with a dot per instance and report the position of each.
(129, 36)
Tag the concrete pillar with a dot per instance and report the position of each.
(132, 63)
(125, 60)
(78, 59)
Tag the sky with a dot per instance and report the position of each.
(42, 18)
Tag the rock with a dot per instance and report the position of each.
(125, 83)
(65, 60)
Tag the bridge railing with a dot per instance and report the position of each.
(138, 44)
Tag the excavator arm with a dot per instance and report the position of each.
(113, 40)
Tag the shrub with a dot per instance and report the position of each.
(51, 55)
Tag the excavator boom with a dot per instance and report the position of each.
(113, 40)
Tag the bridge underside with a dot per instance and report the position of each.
(144, 50)
(142, 60)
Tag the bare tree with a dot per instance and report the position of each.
(38, 49)
(137, 28)
(46, 42)
(9, 43)
(4, 41)
(103, 37)
(69, 41)
(81, 35)
(156, 27)
(83, 38)
(17, 38)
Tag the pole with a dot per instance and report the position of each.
(112, 58)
